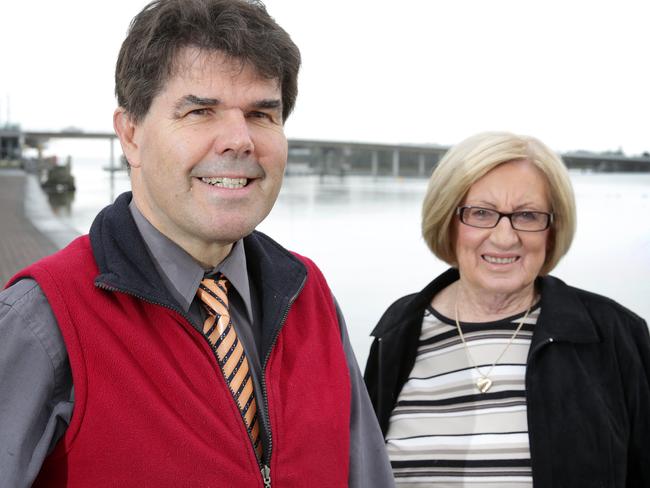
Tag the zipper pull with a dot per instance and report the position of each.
(266, 476)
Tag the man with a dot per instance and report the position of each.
(174, 345)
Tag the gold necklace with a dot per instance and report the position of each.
(484, 382)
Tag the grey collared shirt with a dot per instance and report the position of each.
(36, 390)
(181, 275)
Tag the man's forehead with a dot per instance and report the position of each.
(193, 63)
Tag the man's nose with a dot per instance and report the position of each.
(233, 135)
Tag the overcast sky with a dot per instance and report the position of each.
(573, 73)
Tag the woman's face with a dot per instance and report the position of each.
(502, 260)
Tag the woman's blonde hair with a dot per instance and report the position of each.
(470, 160)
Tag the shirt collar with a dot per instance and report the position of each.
(234, 268)
(181, 273)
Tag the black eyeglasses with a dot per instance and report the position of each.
(487, 218)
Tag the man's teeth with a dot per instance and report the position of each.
(226, 182)
(491, 259)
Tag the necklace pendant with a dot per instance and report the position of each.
(483, 384)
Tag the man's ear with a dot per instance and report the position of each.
(125, 129)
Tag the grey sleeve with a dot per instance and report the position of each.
(369, 464)
(35, 383)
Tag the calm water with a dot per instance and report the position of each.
(364, 234)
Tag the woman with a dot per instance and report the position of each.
(496, 374)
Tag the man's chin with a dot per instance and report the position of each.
(225, 227)
(226, 235)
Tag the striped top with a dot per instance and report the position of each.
(443, 432)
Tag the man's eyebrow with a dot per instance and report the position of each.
(193, 100)
(270, 103)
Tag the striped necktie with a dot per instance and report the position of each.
(219, 330)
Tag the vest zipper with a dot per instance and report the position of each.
(106, 287)
(266, 471)
(266, 476)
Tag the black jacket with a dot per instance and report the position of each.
(587, 383)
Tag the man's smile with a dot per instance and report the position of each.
(225, 182)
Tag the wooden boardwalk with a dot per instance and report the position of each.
(20, 242)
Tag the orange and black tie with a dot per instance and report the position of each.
(219, 330)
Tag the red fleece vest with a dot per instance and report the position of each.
(152, 408)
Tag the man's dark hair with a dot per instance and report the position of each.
(242, 30)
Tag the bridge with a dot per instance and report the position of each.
(412, 160)
(13, 140)
(311, 156)
(338, 157)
